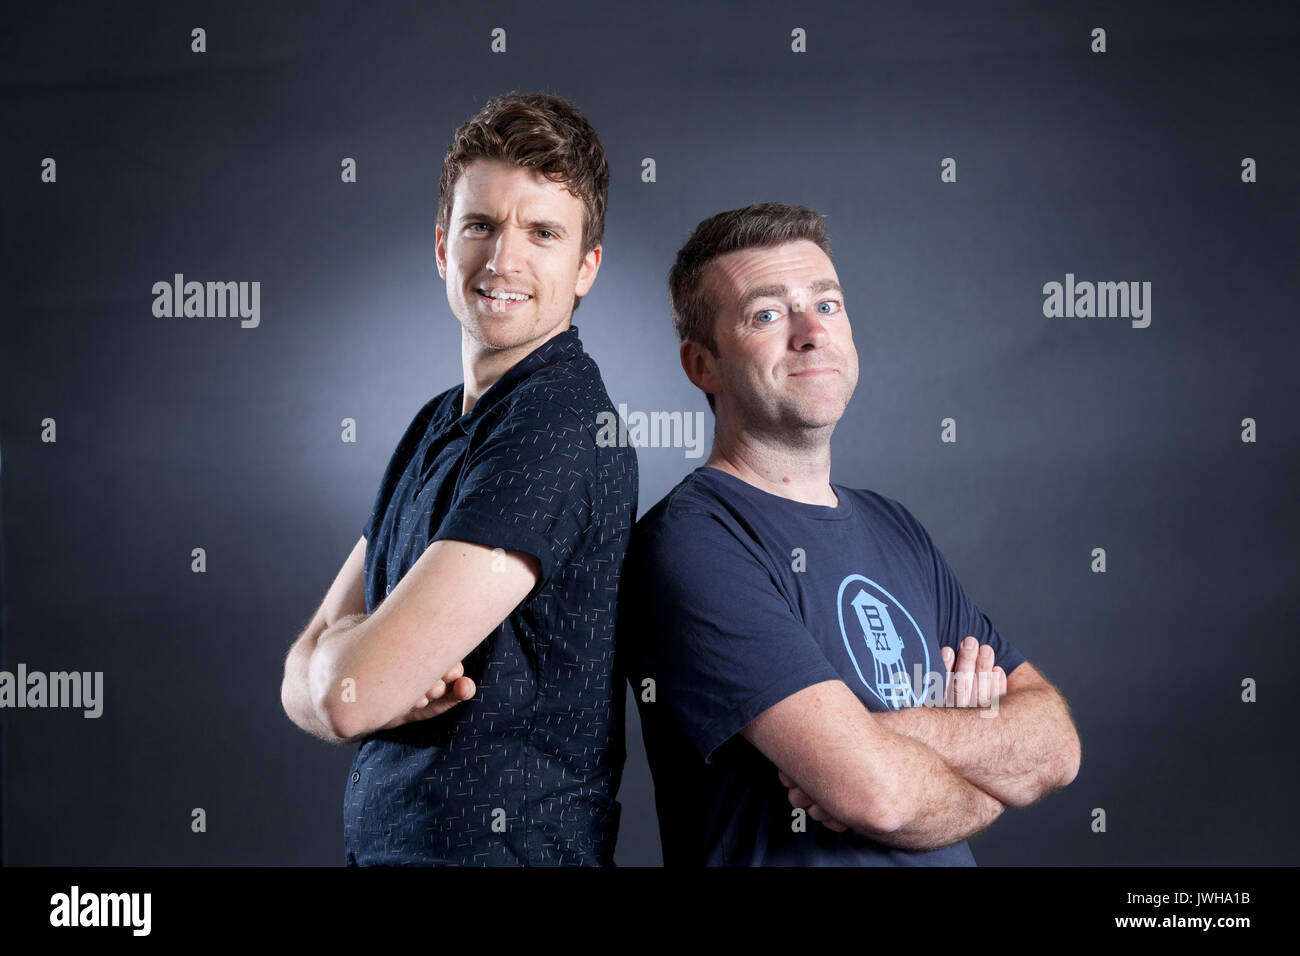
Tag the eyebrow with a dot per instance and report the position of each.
(555, 227)
(776, 291)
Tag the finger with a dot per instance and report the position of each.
(455, 672)
(439, 707)
(966, 654)
(964, 671)
(818, 814)
(461, 690)
(1002, 681)
(798, 798)
(785, 781)
(949, 658)
(962, 682)
(437, 690)
(834, 824)
(985, 683)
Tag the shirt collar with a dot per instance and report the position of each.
(552, 351)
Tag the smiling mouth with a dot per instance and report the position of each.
(503, 303)
(511, 297)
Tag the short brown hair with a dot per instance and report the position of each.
(760, 225)
(537, 131)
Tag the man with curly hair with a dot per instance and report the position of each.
(467, 643)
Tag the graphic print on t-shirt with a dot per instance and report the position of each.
(883, 641)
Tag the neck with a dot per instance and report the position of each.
(482, 366)
(799, 470)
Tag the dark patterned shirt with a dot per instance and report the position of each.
(525, 772)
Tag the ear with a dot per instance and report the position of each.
(700, 366)
(440, 250)
(587, 272)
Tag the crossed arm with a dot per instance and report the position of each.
(919, 780)
(350, 674)
(1026, 750)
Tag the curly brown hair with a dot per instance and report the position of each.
(538, 131)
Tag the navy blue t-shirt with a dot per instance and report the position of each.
(525, 772)
(732, 600)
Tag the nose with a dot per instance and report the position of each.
(507, 251)
(806, 329)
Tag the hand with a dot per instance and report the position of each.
(800, 799)
(440, 698)
(976, 681)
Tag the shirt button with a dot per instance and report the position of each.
(356, 777)
(389, 589)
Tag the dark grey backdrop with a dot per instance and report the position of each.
(1073, 434)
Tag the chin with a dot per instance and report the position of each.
(820, 414)
(505, 332)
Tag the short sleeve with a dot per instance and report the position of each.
(957, 614)
(528, 487)
(713, 627)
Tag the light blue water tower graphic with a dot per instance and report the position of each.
(882, 639)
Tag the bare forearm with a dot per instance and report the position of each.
(303, 672)
(295, 693)
(938, 806)
(1018, 752)
(325, 670)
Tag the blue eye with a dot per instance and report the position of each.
(759, 316)
(544, 232)
(473, 224)
(831, 302)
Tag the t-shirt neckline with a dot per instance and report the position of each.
(768, 500)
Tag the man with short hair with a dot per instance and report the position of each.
(781, 631)
(467, 642)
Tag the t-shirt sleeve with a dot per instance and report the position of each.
(958, 615)
(528, 487)
(715, 630)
